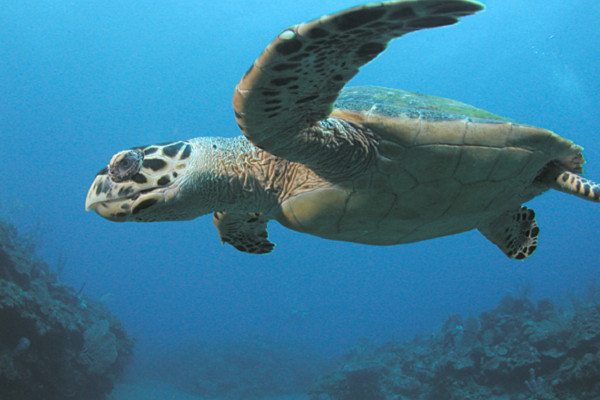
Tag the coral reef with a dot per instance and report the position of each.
(252, 368)
(55, 343)
(517, 351)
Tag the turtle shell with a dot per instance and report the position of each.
(441, 167)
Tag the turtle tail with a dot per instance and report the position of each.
(571, 183)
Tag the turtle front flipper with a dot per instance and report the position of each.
(246, 232)
(515, 233)
(295, 82)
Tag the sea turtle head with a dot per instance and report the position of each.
(147, 183)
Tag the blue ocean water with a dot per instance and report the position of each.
(80, 81)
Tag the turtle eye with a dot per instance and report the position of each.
(125, 164)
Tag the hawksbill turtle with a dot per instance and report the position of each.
(359, 164)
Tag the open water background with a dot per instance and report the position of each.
(80, 81)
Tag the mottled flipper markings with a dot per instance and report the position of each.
(245, 232)
(515, 233)
(572, 183)
(296, 80)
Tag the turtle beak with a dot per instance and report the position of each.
(100, 191)
(124, 201)
(101, 199)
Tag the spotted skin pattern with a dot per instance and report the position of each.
(296, 80)
(245, 232)
(571, 183)
(361, 164)
(157, 166)
(515, 233)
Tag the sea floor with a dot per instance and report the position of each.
(153, 390)
(149, 390)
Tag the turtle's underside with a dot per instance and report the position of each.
(365, 164)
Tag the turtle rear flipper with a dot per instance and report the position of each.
(515, 233)
(571, 183)
(245, 231)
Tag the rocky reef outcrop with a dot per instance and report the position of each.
(55, 343)
(517, 351)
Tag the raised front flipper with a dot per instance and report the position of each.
(515, 233)
(245, 232)
(292, 86)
